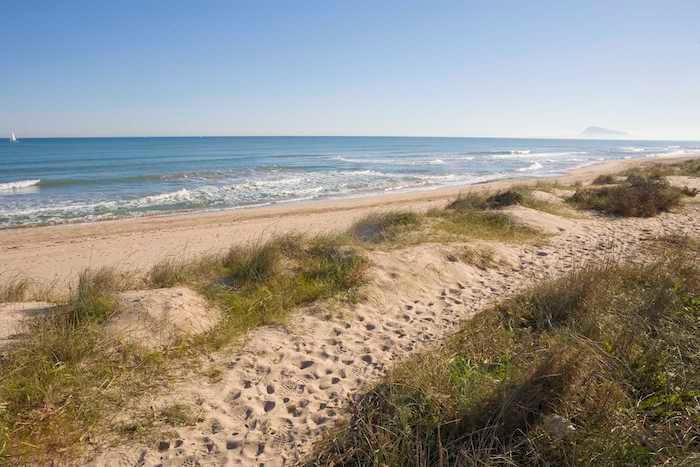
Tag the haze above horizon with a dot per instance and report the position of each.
(407, 68)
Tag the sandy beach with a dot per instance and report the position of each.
(269, 395)
(56, 254)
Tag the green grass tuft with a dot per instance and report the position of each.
(384, 227)
(290, 272)
(55, 381)
(485, 225)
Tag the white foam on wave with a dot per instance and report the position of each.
(18, 185)
(534, 155)
(387, 161)
(531, 167)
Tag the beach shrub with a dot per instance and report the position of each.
(691, 192)
(601, 367)
(604, 180)
(637, 196)
(384, 226)
(689, 168)
(482, 201)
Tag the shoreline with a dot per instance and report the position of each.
(57, 253)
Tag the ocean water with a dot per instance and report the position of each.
(47, 181)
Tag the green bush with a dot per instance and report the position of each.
(638, 196)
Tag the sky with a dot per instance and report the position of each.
(413, 68)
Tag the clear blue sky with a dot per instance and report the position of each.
(453, 68)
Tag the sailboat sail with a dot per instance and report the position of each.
(13, 138)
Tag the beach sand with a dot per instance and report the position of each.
(57, 254)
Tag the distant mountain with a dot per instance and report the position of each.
(598, 132)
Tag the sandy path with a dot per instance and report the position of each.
(59, 253)
(287, 385)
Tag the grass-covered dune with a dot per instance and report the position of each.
(601, 367)
(59, 380)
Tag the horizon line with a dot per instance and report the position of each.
(577, 137)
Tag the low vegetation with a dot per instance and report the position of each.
(471, 216)
(523, 195)
(14, 289)
(263, 283)
(689, 168)
(55, 382)
(58, 381)
(601, 367)
(482, 257)
(384, 227)
(604, 180)
(637, 196)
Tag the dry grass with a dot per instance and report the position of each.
(481, 257)
(638, 196)
(57, 383)
(601, 367)
(689, 168)
(14, 289)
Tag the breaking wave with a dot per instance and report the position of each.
(18, 185)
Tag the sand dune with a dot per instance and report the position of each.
(286, 386)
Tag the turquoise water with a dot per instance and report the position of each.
(46, 181)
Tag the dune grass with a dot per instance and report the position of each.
(480, 256)
(689, 168)
(57, 383)
(637, 196)
(601, 367)
(14, 289)
(520, 195)
(385, 226)
(471, 216)
(263, 283)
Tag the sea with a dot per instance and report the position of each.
(62, 180)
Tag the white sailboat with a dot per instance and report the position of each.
(13, 138)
